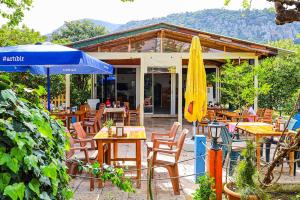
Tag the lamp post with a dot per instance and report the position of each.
(215, 157)
(215, 130)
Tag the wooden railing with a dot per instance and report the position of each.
(57, 101)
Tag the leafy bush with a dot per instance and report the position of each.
(205, 191)
(32, 147)
(108, 173)
(246, 175)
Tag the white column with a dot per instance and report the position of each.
(142, 81)
(68, 86)
(173, 93)
(179, 70)
(218, 85)
(256, 63)
(137, 85)
(92, 83)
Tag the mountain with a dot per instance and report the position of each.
(109, 26)
(253, 25)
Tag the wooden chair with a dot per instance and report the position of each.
(134, 115)
(84, 138)
(126, 105)
(82, 153)
(168, 158)
(260, 112)
(267, 118)
(93, 124)
(211, 116)
(169, 136)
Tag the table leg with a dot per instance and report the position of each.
(138, 163)
(291, 163)
(100, 159)
(109, 153)
(257, 152)
(115, 151)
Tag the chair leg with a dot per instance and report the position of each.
(173, 172)
(92, 183)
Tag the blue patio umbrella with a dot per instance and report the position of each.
(50, 59)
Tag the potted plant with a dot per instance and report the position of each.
(108, 124)
(246, 184)
(205, 190)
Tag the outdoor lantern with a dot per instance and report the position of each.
(215, 129)
(281, 124)
(119, 129)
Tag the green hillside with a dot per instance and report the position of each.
(254, 25)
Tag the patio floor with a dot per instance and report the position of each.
(162, 188)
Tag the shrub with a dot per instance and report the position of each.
(32, 147)
(205, 191)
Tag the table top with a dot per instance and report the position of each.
(235, 114)
(258, 128)
(133, 133)
(78, 112)
(246, 124)
(114, 110)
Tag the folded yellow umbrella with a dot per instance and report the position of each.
(196, 90)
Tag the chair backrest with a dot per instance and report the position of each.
(71, 152)
(85, 107)
(260, 112)
(268, 114)
(211, 115)
(291, 124)
(180, 143)
(138, 109)
(126, 104)
(81, 134)
(174, 130)
(226, 138)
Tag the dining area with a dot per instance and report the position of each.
(112, 136)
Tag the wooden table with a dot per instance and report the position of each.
(261, 130)
(135, 134)
(80, 115)
(110, 111)
(234, 116)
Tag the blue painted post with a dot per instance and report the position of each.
(200, 152)
(48, 88)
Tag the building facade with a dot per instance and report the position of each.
(151, 65)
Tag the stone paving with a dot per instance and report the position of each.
(162, 188)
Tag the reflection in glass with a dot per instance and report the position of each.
(148, 94)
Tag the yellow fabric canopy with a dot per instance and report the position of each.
(196, 90)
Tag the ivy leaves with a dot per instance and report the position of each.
(32, 148)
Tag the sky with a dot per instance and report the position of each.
(47, 15)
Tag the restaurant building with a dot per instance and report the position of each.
(151, 65)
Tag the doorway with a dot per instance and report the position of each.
(162, 93)
(157, 93)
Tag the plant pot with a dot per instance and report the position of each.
(231, 195)
(109, 132)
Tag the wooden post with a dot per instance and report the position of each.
(215, 170)
(200, 151)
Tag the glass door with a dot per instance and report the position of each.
(162, 93)
(148, 93)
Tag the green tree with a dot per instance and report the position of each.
(71, 32)
(77, 30)
(282, 74)
(10, 36)
(13, 10)
(238, 84)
